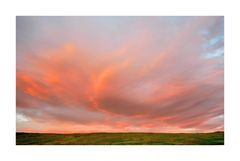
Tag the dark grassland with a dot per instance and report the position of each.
(216, 138)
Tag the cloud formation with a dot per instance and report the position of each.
(111, 74)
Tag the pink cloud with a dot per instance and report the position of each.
(140, 85)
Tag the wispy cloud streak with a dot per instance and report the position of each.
(90, 74)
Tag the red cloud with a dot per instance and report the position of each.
(133, 88)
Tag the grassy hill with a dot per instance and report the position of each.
(216, 138)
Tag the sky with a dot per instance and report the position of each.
(119, 74)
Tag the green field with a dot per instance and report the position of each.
(216, 138)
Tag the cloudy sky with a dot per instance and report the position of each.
(120, 74)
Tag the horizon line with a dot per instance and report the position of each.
(124, 132)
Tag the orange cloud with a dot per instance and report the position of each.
(153, 79)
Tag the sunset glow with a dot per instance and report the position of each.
(120, 74)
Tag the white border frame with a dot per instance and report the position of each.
(10, 9)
